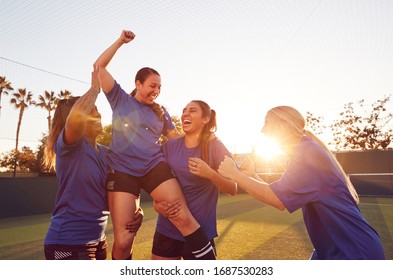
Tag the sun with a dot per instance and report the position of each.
(250, 140)
(246, 137)
(266, 148)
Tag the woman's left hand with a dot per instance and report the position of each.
(167, 209)
(200, 168)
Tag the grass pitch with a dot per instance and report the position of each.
(247, 228)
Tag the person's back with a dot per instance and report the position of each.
(77, 228)
(81, 212)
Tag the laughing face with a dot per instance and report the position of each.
(148, 91)
(192, 118)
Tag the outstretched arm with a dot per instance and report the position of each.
(107, 81)
(258, 189)
(79, 115)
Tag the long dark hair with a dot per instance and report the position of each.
(58, 123)
(207, 134)
(141, 76)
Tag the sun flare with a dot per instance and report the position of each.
(255, 143)
(266, 148)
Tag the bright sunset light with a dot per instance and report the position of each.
(267, 148)
(249, 141)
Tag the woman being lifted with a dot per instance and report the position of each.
(136, 158)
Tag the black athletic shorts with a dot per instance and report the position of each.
(122, 182)
(95, 251)
(166, 247)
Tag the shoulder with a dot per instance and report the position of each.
(174, 142)
(117, 91)
(217, 144)
(115, 88)
(218, 151)
(216, 141)
(61, 144)
(307, 145)
(310, 152)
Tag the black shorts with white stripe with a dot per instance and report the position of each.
(95, 251)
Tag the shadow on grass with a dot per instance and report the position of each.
(372, 212)
(23, 251)
(291, 244)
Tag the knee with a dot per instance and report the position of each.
(124, 240)
(184, 220)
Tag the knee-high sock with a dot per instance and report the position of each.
(128, 258)
(200, 245)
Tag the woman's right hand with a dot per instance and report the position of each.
(247, 166)
(167, 209)
(228, 168)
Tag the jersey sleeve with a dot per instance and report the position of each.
(63, 150)
(301, 182)
(116, 96)
(218, 151)
(168, 124)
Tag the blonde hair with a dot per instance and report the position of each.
(58, 123)
(297, 123)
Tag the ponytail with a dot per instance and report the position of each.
(207, 133)
(350, 186)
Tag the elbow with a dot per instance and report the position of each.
(234, 190)
(99, 63)
(280, 206)
(230, 192)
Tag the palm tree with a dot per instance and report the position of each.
(49, 102)
(21, 100)
(4, 86)
(66, 94)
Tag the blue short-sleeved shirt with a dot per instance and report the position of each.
(334, 222)
(200, 193)
(136, 130)
(81, 210)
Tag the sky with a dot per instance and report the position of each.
(241, 57)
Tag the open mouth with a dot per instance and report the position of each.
(153, 96)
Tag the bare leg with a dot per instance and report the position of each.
(194, 235)
(170, 191)
(122, 206)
